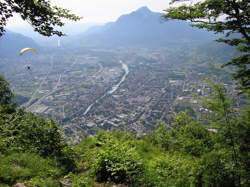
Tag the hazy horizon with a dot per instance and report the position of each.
(98, 11)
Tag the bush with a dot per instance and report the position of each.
(175, 170)
(80, 180)
(30, 132)
(217, 169)
(119, 164)
(27, 132)
(186, 136)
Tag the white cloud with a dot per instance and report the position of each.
(100, 11)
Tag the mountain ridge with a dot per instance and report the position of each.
(11, 43)
(142, 28)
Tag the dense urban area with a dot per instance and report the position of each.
(114, 89)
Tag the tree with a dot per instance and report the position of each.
(39, 13)
(230, 17)
(232, 134)
(21, 131)
(6, 97)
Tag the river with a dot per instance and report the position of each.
(113, 89)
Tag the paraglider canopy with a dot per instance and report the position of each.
(27, 49)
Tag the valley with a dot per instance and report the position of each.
(111, 88)
(146, 98)
(106, 78)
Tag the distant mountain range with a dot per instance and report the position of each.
(70, 29)
(11, 43)
(143, 28)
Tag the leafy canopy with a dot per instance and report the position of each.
(39, 13)
(6, 97)
(229, 17)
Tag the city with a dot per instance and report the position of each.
(115, 90)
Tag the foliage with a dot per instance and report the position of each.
(6, 97)
(42, 182)
(22, 132)
(183, 153)
(26, 131)
(80, 180)
(232, 128)
(229, 17)
(27, 136)
(39, 13)
(175, 170)
(118, 163)
(186, 136)
(24, 166)
(217, 169)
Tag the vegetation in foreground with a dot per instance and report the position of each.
(214, 152)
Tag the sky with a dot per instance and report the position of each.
(100, 11)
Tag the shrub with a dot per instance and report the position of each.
(174, 170)
(79, 180)
(31, 132)
(119, 164)
(27, 132)
(217, 169)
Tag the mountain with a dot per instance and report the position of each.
(70, 29)
(143, 28)
(11, 43)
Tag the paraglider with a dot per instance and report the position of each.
(24, 50)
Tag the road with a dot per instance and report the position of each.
(54, 90)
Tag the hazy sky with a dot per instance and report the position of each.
(100, 11)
